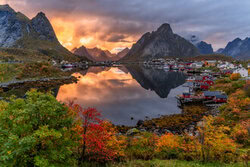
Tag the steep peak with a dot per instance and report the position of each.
(165, 28)
(237, 40)
(82, 47)
(41, 15)
(43, 27)
(7, 8)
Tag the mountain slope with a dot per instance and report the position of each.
(238, 48)
(204, 48)
(18, 31)
(122, 53)
(82, 52)
(159, 44)
(98, 54)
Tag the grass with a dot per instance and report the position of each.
(162, 163)
(8, 72)
(172, 163)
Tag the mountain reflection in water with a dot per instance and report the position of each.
(125, 93)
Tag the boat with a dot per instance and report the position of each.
(67, 66)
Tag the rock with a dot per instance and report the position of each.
(132, 132)
(43, 28)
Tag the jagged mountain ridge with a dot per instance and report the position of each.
(96, 54)
(18, 31)
(159, 44)
(238, 49)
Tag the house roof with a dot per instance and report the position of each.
(221, 96)
(211, 93)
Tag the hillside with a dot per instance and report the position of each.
(210, 57)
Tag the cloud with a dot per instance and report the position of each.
(214, 21)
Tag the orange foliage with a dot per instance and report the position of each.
(235, 76)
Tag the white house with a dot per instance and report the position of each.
(196, 65)
(242, 71)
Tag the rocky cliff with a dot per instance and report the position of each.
(160, 44)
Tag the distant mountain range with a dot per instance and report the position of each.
(96, 54)
(161, 44)
(238, 48)
(18, 31)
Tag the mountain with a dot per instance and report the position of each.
(122, 53)
(160, 44)
(19, 32)
(96, 54)
(238, 49)
(219, 51)
(204, 48)
(82, 52)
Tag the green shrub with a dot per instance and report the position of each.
(36, 131)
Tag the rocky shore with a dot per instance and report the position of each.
(187, 122)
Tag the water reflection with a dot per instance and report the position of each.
(122, 93)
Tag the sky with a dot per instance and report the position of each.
(116, 24)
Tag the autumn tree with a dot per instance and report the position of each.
(99, 141)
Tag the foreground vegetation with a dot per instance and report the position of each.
(40, 131)
(9, 72)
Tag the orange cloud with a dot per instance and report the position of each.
(89, 33)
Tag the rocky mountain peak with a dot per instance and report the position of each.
(165, 28)
(6, 8)
(42, 26)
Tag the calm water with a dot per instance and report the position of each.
(122, 93)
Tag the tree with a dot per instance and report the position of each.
(37, 131)
(99, 141)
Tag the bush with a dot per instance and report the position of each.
(37, 131)
(216, 144)
(235, 76)
(142, 147)
(169, 146)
